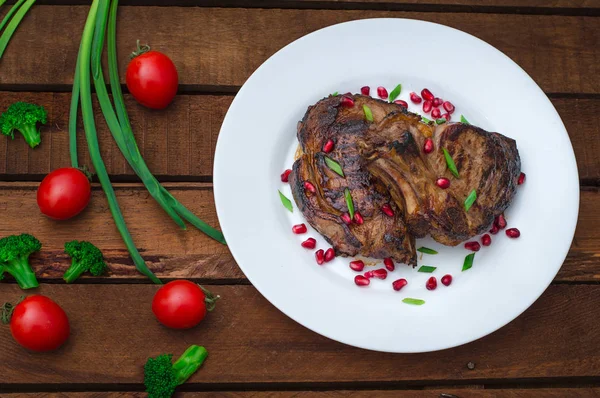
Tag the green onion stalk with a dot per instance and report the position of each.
(2, 2)
(84, 75)
(15, 15)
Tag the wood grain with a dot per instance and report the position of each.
(179, 143)
(428, 393)
(113, 331)
(173, 253)
(223, 46)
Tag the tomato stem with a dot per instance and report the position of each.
(140, 50)
(210, 299)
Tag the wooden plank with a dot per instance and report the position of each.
(173, 253)
(429, 393)
(179, 143)
(555, 50)
(250, 341)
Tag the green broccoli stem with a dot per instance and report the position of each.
(74, 271)
(189, 362)
(92, 140)
(22, 272)
(31, 135)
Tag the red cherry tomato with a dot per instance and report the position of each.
(39, 324)
(152, 79)
(64, 193)
(182, 304)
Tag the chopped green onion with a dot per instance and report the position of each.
(349, 202)
(395, 92)
(368, 113)
(427, 269)
(425, 120)
(468, 262)
(440, 120)
(334, 94)
(470, 200)
(413, 301)
(464, 120)
(450, 163)
(335, 166)
(286, 202)
(426, 250)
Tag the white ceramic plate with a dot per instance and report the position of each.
(257, 142)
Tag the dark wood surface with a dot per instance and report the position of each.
(552, 350)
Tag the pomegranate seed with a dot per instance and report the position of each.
(308, 186)
(427, 105)
(361, 280)
(436, 113)
(426, 94)
(329, 255)
(414, 97)
(494, 229)
(447, 116)
(382, 92)
(431, 283)
(486, 240)
(428, 146)
(357, 265)
(437, 101)
(328, 147)
(513, 233)
(448, 107)
(500, 221)
(365, 90)
(309, 243)
(446, 280)
(346, 218)
(320, 256)
(473, 246)
(399, 284)
(369, 274)
(389, 264)
(380, 273)
(286, 175)
(521, 179)
(299, 229)
(443, 183)
(358, 218)
(347, 102)
(401, 103)
(387, 210)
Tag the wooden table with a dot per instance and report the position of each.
(552, 350)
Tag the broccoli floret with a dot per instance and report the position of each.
(23, 117)
(161, 376)
(14, 258)
(85, 257)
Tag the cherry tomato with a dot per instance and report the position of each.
(152, 79)
(182, 304)
(64, 193)
(39, 324)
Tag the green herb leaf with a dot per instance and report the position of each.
(450, 163)
(426, 250)
(368, 113)
(349, 202)
(440, 120)
(425, 120)
(413, 301)
(468, 262)
(427, 269)
(286, 202)
(464, 120)
(470, 200)
(395, 92)
(335, 166)
(334, 94)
